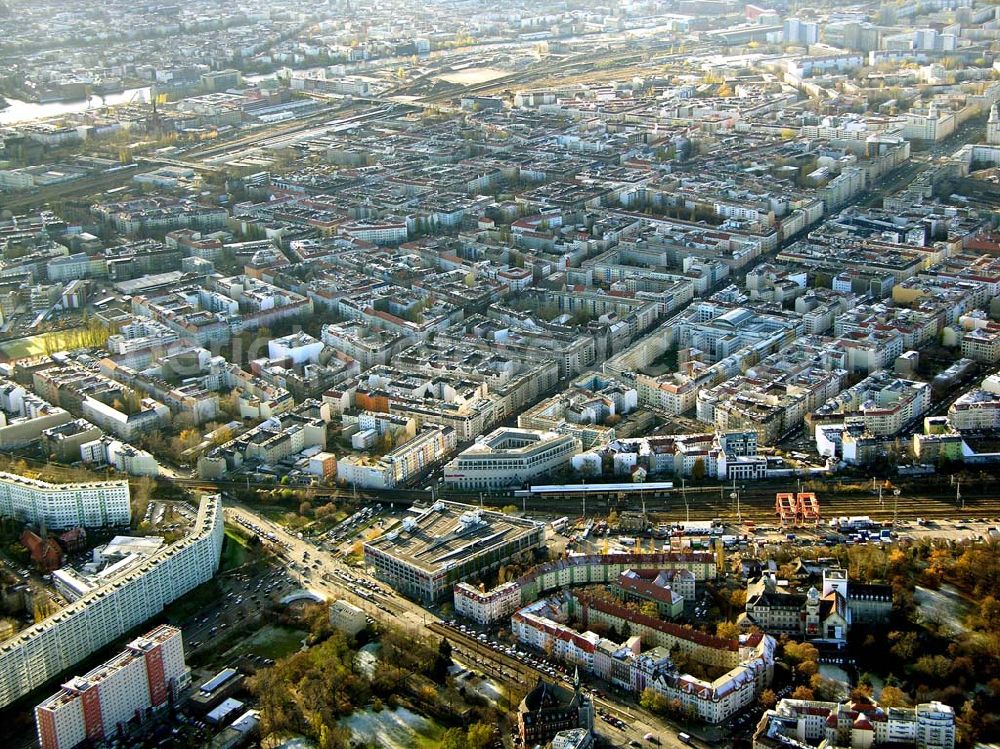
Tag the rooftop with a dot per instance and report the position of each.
(449, 533)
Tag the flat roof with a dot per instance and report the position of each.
(123, 545)
(246, 722)
(218, 680)
(227, 706)
(449, 533)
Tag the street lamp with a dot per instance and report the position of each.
(895, 504)
(735, 496)
(684, 495)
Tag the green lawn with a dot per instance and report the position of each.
(22, 348)
(273, 642)
(46, 342)
(234, 552)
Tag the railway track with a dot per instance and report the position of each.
(675, 509)
(703, 503)
(524, 77)
(500, 665)
(756, 503)
(17, 201)
(510, 670)
(697, 503)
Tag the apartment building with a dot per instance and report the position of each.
(721, 340)
(123, 456)
(24, 416)
(35, 655)
(939, 441)
(509, 457)
(430, 444)
(383, 232)
(798, 724)
(511, 384)
(464, 404)
(714, 701)
(98, 704)
(982, 344)
(542, 625)
(749, 661)
(772, 398)
(582, 409)
(977, 409)
(665, 589)
(367, 347)
(869, 351)
(62, 506)
(64, 441)
(151, 416)
(530, 342)
(139, 335)
(883, 403)
(585, 569)
(487, 607)
(160, 214)
(916, 327)
(273, 440)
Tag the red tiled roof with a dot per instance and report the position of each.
(675, 630)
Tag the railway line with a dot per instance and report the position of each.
(500, 665)
(18, 201)
(757, 504)
(305, 130)
(510, 670)
(585, 59)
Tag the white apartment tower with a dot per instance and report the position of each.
(148, 674)
(126, 600)
(61, 506)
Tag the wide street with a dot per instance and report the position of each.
(316, 571)
(319, 573)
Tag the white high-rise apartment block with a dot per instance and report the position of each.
(33, 656)
(61, 506)
(91, 707)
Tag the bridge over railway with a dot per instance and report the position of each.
(302, 595)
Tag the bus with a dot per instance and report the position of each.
(685, 738)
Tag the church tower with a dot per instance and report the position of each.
(812, 623)
(993, 127)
